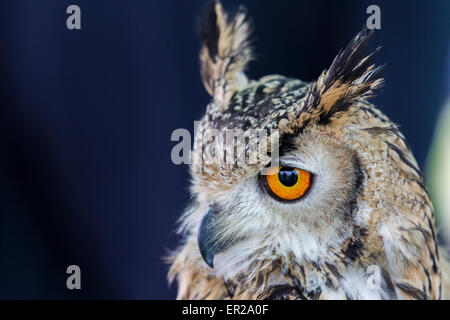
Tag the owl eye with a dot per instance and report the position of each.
(286, 183)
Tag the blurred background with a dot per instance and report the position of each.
(86, 117)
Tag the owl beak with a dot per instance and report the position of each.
(207, 239)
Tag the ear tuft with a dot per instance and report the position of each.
(225, 51)
(351, 76)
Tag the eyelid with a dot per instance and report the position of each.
(293, 162)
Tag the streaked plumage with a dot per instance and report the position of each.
(368, 205)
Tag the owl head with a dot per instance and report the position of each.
(344, 182)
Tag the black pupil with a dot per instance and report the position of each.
(288, 176)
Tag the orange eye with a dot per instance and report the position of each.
(285, 183)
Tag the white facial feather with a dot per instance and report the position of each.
(306, 228)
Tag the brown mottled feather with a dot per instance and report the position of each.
(390, 221)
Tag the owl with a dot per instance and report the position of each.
(344, 215)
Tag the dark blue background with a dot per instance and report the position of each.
(86, 118)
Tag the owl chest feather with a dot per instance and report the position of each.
(301, 268)
(305, 281)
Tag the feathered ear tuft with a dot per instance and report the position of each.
(225, 51)
(350, 77)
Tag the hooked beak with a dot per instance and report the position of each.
(207, 239)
